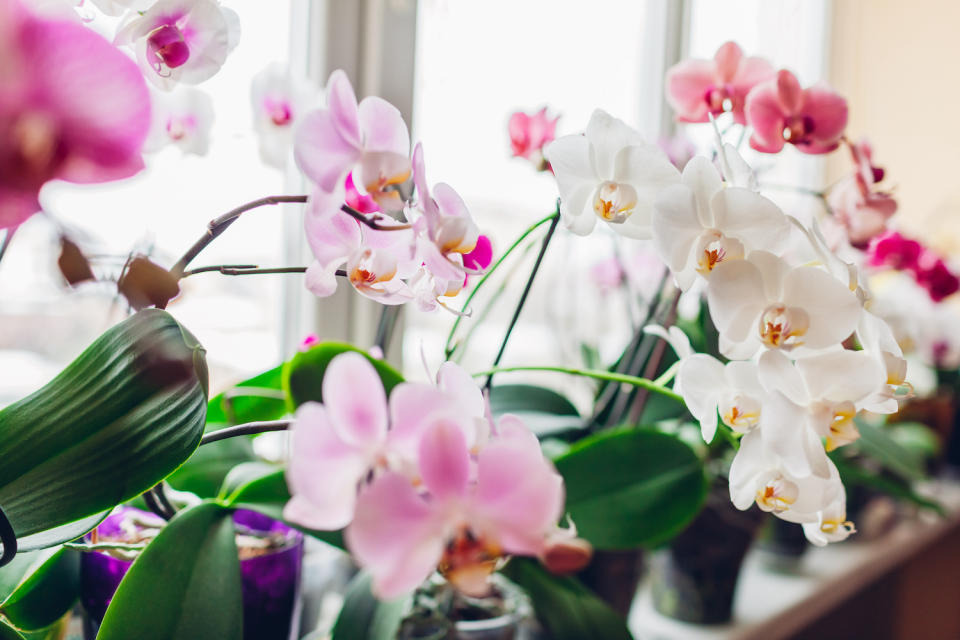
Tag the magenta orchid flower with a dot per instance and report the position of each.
(369, 139)
(462, 515)
(376, 261)
(445, 230)
(697, 89)
(859, 206)
(181, 41)
(72, 108)
(935, 276)
(279, 99)
(894, 250)
(183, 119)
(529, 133)
(781, 111)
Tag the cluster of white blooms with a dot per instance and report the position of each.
(804, 355)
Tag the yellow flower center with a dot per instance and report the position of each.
(615, 202)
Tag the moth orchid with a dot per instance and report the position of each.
(181, 41)
(830, 387)
(72, 108)
(698, 224)
(697, 89)
(935, 276)
(896, 251)
(462, 516)
(354, 433)
(861, 208)
(278, 99)
(445, 231)
(368, 139)
(877, 339)
(763, 302)
(376, 261)
(529, 133)
(832, 524)
(610, 173)
(758, 476)
(183, 119)
(781, 111)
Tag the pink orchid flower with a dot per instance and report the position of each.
(376, 261)
(278, 99)
(362, 202)
(935, 276)
(369, 138)
(184, 119)
(72, 108)
(781, 111)
(479, 259)
(445, 230)
(529, 133)
(463, 514)
(698, 88)
(860, 207)
(894, 250)
(181, 41)
(356, 432)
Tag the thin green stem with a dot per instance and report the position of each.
(596, 374)
(668, 375)
(448, 349)
(246, 429)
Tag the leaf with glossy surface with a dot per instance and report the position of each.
(364, 617)
(7, 632)
(564, 606)
(184, 585)
(47, 589)
(61, 534)
(303, 374)
(118, 419)
(631, 487)
(519, 398)
(259, 398)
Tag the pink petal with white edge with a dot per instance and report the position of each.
(519, 497)
(395, 535)
(323, 472)
(443, 458)
(332, 234)
(454, 381)
(411, 406)
(382, 127)
(322, 152)
(354, 397)
(320, 279)
(687, 86)
(344, 111)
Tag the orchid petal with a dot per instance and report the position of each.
(354, 397)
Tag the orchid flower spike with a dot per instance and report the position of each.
(181, 41)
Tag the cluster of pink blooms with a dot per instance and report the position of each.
(423, 480)
(358, 155)
(893, 250)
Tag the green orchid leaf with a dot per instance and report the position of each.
(61, 534)
(568, 610)
(184, 585)
(7, 632)
(46, 591)
(259, 398)
(876, 442)
(631, 487)
(117, 420)
(364, 617)
(303, 374)
(206, 469)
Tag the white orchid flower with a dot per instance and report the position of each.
(876, 338)
(764, 302)
(709, 386)
(699, 223)
(830, 387)
(758, 475)
(832, 524)
(182, 118)
(612, 174)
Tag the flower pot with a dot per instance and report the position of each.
(270, 577)
(614, 576)
(694, 579)
(442, 613)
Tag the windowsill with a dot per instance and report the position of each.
(777, 605)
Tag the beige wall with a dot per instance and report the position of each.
(898, 63)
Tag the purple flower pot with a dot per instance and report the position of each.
(271, 582)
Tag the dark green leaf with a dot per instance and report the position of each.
(7, 632)
(47, 590)
(61, 534)
(915, 437)
(519, 398)
(184, 585)
(627, 488)
(267, 494)
(118, 419)
(303, 374)
(242, 475)
(364, 617)
(204, 472)
(876, 443)
(259, 398)
(894, 487)
(564, 606)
